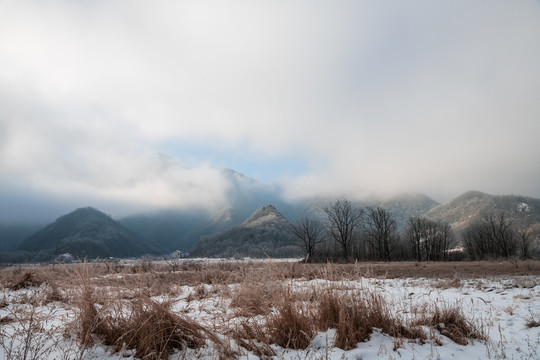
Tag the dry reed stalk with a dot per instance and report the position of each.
(253, 337)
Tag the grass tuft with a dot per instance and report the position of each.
(452, 323)
(26, 280)
(356, 314)
(291, 326)
(147, 326)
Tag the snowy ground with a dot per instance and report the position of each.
(503, 307)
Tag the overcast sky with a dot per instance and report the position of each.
(324, 98)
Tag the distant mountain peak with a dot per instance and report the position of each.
(87, 211)
(265, 233)
(268, 214)
(87, 232)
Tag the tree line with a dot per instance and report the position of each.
(353, 233)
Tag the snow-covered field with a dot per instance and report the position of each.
(43, 321)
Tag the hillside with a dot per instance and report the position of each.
(265, 233)
(87, 232)
(473, 205)
(404, 206)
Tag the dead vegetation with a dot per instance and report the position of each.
(532, 323)
(148, 326)
(115, 304)
(25, 280)
(452, 323)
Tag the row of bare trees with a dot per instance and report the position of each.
(494, 236)
(371, 233)
(429, 240)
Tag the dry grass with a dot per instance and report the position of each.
(355, 315)
(532, 323)
(115, 306)
(148, 326)
(25, 280)
(452, 323)
(257, 293)
(252, 337)
(291, 326)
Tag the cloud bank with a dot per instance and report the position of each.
(369, 96)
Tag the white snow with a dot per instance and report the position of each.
(523, 207)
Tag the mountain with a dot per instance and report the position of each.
(473, 205)
(182, 229)
(87, 232)
(265, 233)
(404, 206)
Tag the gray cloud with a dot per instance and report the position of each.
(439, 97)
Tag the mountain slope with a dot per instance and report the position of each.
(87, 232)
(265, 233)
(402, 206)
(473, 205)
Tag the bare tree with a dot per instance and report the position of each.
(414, 235)
(309, 233)
(429, 240)
(380, 232)
(444, 240)
(493, 237)
(524, 238)
(342, 221)
(476, 242)
(500, 230)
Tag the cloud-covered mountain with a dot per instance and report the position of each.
(181, 229)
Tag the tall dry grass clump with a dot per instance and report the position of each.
(452, 323)
(291, 326)
(148, 326)
(25, 280)
(355, 314)
(257, 293)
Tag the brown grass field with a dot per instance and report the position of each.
(256, 303)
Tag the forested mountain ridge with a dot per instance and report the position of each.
(471, 206)
(87, 232)
(265, 233)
